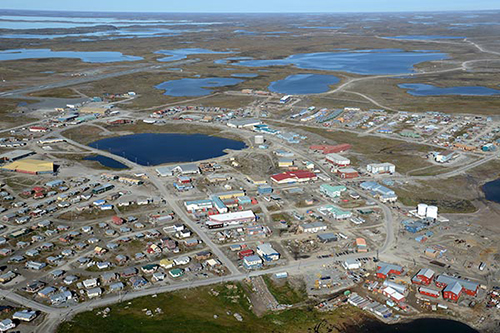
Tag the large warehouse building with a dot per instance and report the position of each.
(30, 166)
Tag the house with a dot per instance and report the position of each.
(94, 292)
(176, 272)
(90, 283)
(6, 325)
(117, 286)
(285, 162)
(384, 270)
(313, 227)
(183, 260)
(25, 315)
(267, 252)
(252, 262)
(167, 263)
(423, 277)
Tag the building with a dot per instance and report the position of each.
(252, 262)
(332, 191)
(336, 212)
(384, 270)
(429, 292)
(327, 237)
(444, 156)
(313, 227)
(350, 264)
(30, 166)
(267, 252)
(24, 315)
(15, 155)
(379, 168)
(361, 245)
(469, 287)
(243, 123)
(424, 276)
(196, 205)
(393, 294)
(233, 217)
(337, 160)
(347, 173)
(328, 149)
(285, 162)
(453, 291)
(297, 176)
(6, 325)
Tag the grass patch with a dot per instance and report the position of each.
(194, 311)
(284, 292)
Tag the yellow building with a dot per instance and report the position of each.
(30, 166)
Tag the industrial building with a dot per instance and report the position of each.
(379, 168)
(328, 149)
(313, 227)
(15, 155)
(384, 270)
(347, 173)
(423, 277)
(337, 160)
(450, 282)
(335, 212)
(234, 217)
(30, 166)
(243, 123)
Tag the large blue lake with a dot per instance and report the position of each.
(179, 54)
(195, 87)
(382, 61)
(492, 190)
(159, 148)
(303, 84)
(89, 56)
(420, 89)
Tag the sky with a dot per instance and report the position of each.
(251, 6)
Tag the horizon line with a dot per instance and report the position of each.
(272, 12)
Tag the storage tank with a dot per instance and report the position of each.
(422, 209)
(432, 212)
(259, 139)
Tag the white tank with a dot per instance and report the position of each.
(422, 209)
(259, 139)
(432, 212)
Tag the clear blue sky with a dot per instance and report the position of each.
(251, 5)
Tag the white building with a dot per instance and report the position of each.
(233, 217)
(350, 264)
(337, 159)
(378, 168)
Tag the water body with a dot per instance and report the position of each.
(242, 74)
(420, 89)
(427, 325)
(106, 161)
(492, 190)
(426, 37)
(382, 61)
(94, 57)
(195, 87)
(326, 28)
(179, 54)
(159, 148)
(111, 34)
(303, 84)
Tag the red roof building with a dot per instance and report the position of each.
(328, 149)
(245, 253)
(294, 176)
(117, 220)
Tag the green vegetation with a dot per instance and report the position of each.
(284, 292)
(57, 93)
(207, 309)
